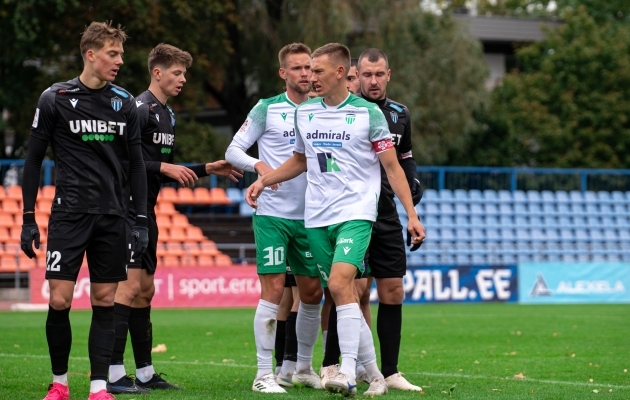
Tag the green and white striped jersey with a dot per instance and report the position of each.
(270, 123)
(341, 145)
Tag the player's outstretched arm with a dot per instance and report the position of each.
(398, 182)
(223, 168)
(291, 168)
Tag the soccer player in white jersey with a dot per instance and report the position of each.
(340, 139)
(279, 225)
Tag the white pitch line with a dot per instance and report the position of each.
(444, 374)
(436, 374)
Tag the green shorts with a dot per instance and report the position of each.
(343, 242)
(279, 240)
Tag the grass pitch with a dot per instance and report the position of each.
(495, 351)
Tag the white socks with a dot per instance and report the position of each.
(366, 354)
(97, 386)
(145, 374)
(307, 329)
(265, 335)
(63, 379)
(116, 372)
(348, 325)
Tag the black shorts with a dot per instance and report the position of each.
(149, 259)
(289, 280)
(386, 256)
(100, 236)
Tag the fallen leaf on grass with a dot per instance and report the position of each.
(595, 391)
(160, 348)
(625, 370)
(227, 360)
(591, 380)
(496, 390)
(519, 376)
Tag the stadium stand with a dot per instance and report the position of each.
(180, 243)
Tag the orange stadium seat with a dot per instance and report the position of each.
(14, 192)
(7, 220)
(202, 196)
(41, 218)
(48, 192)
(194, 234)
(163, 220)
(17, 217)
(3, 194)
(185, 195)
(179, 220)
(43, 205)
(14, 236)
(192, 249)
(11, 205)
(165, 208)
(205, 261)
(8, 263)
(208, 248)
(167, 194)
(177, 234)
(170, 261)
(222, 260)
(219, 196)
(174, 249)
(161, 250)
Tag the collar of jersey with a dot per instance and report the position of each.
(343, 103)
(288, 100)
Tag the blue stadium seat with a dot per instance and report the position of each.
(446, 221)
(506, 221)
(624, 235)
(421, 208)
(245, 210)
(547, 196)
(461, 209)
(620, 209)
(564, 222)
(577, 209)
(431, 259)
(548, 221)
(462, 235)
(551, 234)
(475, 196)
(462, 220)
(460, 196)
(533, 196)
(610, 235)
(476, 209)
(599, 254)
(562, 197)
(476, 221)
(552, 254)
(477, 235)
(446, 209)
(532, 209)
(617, 197)
(568, 257)
(535, 221)
(590, 197)
(579, 221)
(567, 235)
(549, 209)
(593, 221)
(523, 235)
(505, 196)
(430, 196)
(432, 209)
(576, 197)
(490, 196)
(415, 259)
(507, 234)
(235, 195)
(462, 259)
(479, 259)
(446, 195)
(537, 235)
(492, 235)
(506, 209)
(563, 209)
(399, 207)
(519, 196)
(520, 221)
(606, 209)
(596, 235)
(582, 236)
(446, 235)
(604, 197)
(591, 209)
(431, 221)
(492, 221)
(491, 209)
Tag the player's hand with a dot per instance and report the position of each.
(262, 168)
(223, 168)
(415, 234)
(185, 176)
(30, 233)
(253, 192)
(416, 192)
(139, 237)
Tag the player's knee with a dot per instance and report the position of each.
(127, 292)
(60, 301)
(365, 297)
(146, 294)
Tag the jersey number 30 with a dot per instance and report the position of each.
(275, 256)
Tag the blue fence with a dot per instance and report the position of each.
(467, 178)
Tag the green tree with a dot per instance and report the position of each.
(569, 104)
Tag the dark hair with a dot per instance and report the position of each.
(293, 48)
(165, 56)
(335, 51)
(95, 36)
(354, 62)
(373, 55)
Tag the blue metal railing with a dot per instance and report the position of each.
(481, 178)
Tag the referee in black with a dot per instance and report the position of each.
(386, 257)
(92, 127)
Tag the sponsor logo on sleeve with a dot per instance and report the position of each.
(245, 125)
(36, 118)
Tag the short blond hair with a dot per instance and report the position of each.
(98, 33)
(336, 52)
(165, 56)
(293, 48)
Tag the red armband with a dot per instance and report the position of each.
(382, 145)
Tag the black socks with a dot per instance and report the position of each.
(59, 337)
(388, 327)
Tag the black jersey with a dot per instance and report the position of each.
(399, 121)
(157, 127)
(90, 132)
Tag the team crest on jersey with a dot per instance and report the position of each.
(394, 116)
(116, 103)
(350, 118)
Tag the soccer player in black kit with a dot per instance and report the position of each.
(386, 257)
(132, 308)
(91, 125)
